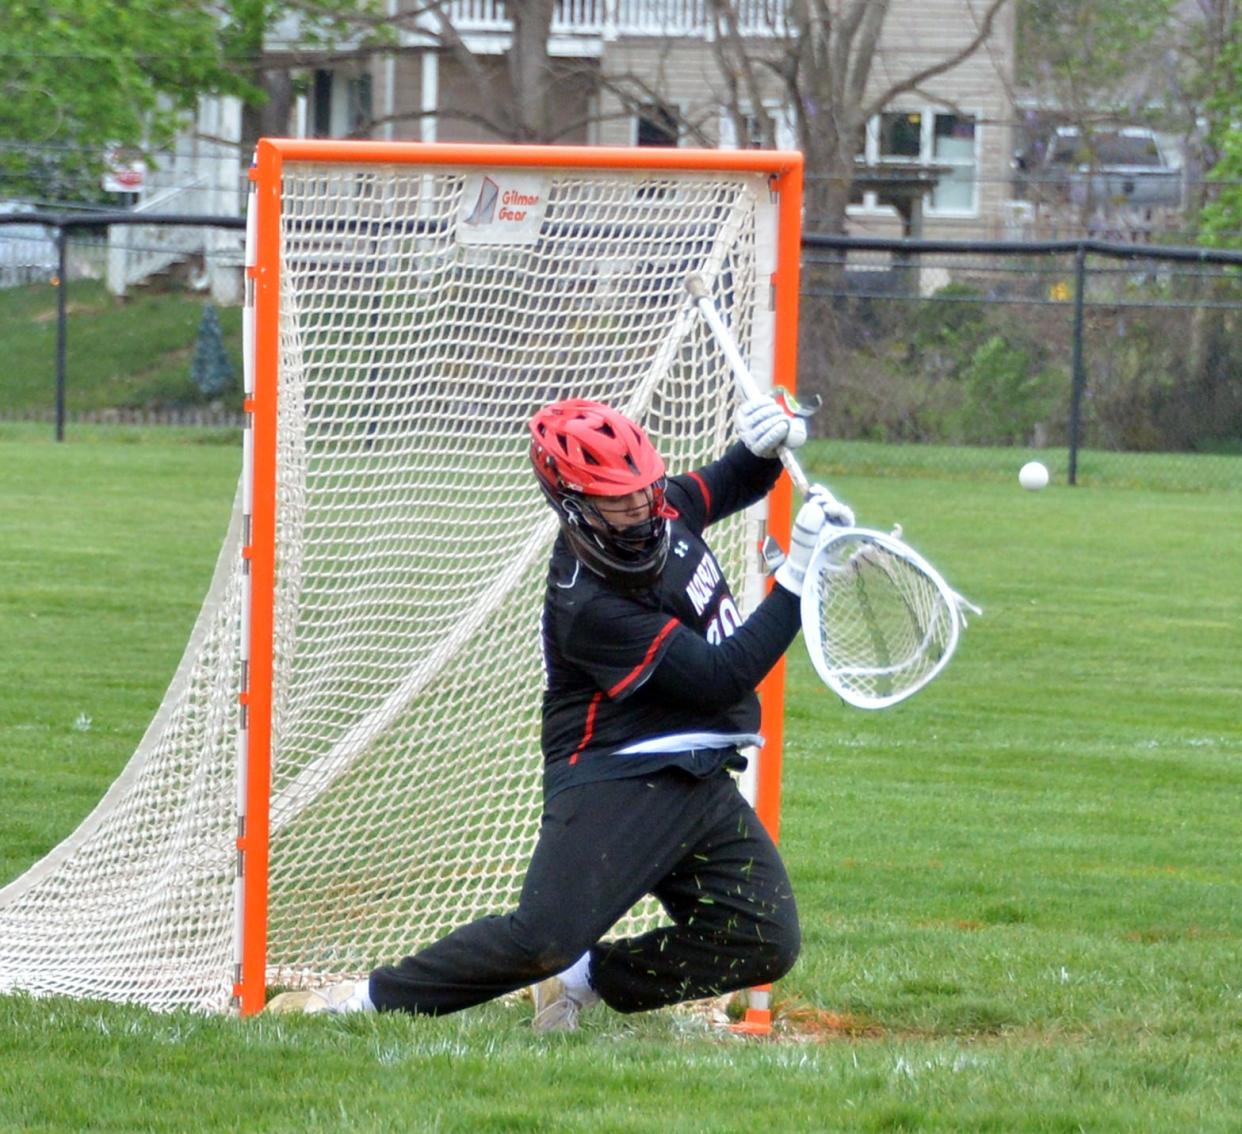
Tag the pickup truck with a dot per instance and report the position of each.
(1125, 166)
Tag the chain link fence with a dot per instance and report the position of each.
(1089, 352)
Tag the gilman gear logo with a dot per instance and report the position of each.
(502, 208)
(484, 211)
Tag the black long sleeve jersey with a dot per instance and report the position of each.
(637, 680)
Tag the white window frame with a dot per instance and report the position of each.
(929, 125)
(786, 128)
(870, 206)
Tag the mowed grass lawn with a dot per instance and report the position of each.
(1021, 891)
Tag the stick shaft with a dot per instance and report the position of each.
(746, 383)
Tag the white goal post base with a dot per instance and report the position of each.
(346, 765)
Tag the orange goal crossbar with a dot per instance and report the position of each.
(777, 163)
(263, 271)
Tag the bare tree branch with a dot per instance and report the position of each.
(865, 51)
(733, 61)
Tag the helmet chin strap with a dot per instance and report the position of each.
(624, 576)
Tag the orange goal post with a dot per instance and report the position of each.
(346, 765)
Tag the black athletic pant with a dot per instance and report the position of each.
(693, 843)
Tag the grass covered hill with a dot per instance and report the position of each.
(120, 353)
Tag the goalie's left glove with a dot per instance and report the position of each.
(763, 427)
(820, 509)
(807, 525)
(838, 514)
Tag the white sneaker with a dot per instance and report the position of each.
(336, 1000)
(556, 1009)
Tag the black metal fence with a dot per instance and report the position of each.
(62, 228)
(1077, 346)
(1066, 348)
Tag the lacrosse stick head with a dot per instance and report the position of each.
(879, 621)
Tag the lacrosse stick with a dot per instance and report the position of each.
(879, 621)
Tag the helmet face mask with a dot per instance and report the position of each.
(630, 556)
(583, 452)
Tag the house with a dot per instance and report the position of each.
(647, 72)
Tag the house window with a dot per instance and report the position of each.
(340, 105)
(656, 126)
(321, 105)
(358, 105)
(927, 137)
(785, 135)
(954, 144)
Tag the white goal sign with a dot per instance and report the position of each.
(346, 764)
(502, 208)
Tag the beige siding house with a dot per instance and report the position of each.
(962, 119)
(640, 72)
(637, 72)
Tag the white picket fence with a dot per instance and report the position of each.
(27, 253)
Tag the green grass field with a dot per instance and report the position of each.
(1021, 891)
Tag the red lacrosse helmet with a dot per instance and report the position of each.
(580, 449)
(587, 447)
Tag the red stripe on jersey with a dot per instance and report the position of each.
(633, 675)
(707, 496)
(590, 727)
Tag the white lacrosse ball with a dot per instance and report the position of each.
(1033, 476)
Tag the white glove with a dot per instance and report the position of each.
(838, 514)
(763, 427)
(821, 508)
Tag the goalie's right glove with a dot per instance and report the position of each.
(821, 508)
(763, 426)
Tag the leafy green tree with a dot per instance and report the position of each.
(1093, 59)
(1173, 65)
(268, 69)
(81, 76)
(1221, 217)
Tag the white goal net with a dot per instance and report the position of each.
(424, 313)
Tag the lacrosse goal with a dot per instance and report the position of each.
(346, 764)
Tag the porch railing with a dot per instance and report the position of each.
(611, 18)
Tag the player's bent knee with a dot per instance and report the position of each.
(546, 954)
(779, 952)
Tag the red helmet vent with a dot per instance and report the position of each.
(587, 447)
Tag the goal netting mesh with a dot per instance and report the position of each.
(411, 550)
